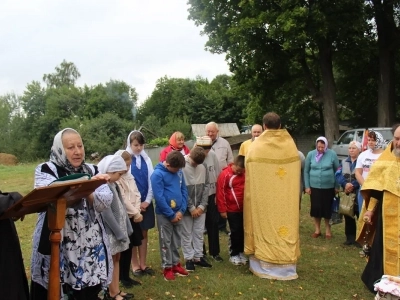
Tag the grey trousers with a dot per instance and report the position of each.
(169, 235)
(192, 236)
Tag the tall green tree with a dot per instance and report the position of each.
(269, 44)
(114, 96)
(65, 74)
(386, 15)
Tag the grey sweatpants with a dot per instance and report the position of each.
(192, 236)
(169, 235)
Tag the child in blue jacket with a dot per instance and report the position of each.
(170, 194)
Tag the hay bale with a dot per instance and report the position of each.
(8, 159)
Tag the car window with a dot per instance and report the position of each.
(346, 138)
(359, 135)
(387, 134)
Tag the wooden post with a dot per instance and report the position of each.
(56, 217)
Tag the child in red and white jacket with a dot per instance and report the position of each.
(230, 194)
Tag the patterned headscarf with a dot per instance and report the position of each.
(380, 141)
(112, 163)
(59, 158)
(319, 155)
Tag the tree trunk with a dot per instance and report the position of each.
(331, 120)
(386, 28)
(327, 95)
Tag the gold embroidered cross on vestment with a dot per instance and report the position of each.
(281, 172)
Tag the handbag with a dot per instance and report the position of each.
(336, 218)
(346, 205)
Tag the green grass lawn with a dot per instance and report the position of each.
(326, 268)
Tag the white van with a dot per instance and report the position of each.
(341, 146)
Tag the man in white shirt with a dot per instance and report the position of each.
(224, 154)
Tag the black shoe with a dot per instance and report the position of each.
(190, 266)
(128, 283)
(202, 263)
(217, 258)
(348, 243)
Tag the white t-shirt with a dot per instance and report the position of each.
(365, 160)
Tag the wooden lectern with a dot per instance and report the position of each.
(54, 198)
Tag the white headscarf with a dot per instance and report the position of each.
(137, 156)
(112, 163)
(357, 144)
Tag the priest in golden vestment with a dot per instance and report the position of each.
(379, 225)
(271, 204)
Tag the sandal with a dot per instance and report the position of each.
(127, 296)
(315, 235)
(148, 271)
(138, 272)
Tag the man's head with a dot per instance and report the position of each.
(212, 130)
(197, 156)
(174, 161)
(238, 165)
(256, 130)
(396, 139)
(271, 121)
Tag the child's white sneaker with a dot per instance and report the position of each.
(243, 258)
(235, 260)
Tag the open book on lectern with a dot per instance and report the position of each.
(73, 188)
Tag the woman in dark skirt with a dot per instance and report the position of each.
(141, 169)
(319, 180)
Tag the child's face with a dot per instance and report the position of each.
(237, 170)
(115, 176)
(136, 147)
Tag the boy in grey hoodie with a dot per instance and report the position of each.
(196, 178)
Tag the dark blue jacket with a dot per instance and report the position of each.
(342, 179)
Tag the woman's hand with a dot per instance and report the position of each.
(348, 188)
(102, 176)
(307, 191)
(143, 206)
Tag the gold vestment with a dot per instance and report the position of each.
(271, 204)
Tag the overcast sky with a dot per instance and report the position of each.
(136, 41)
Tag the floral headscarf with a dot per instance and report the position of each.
(59, 158)
(380, 141)
(319, 155)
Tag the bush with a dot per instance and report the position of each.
(160, 142)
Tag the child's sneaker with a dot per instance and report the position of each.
(243, 258)
(190, 266)
(168, 274)
(235, 260)
(179, 271)
(202, 263)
